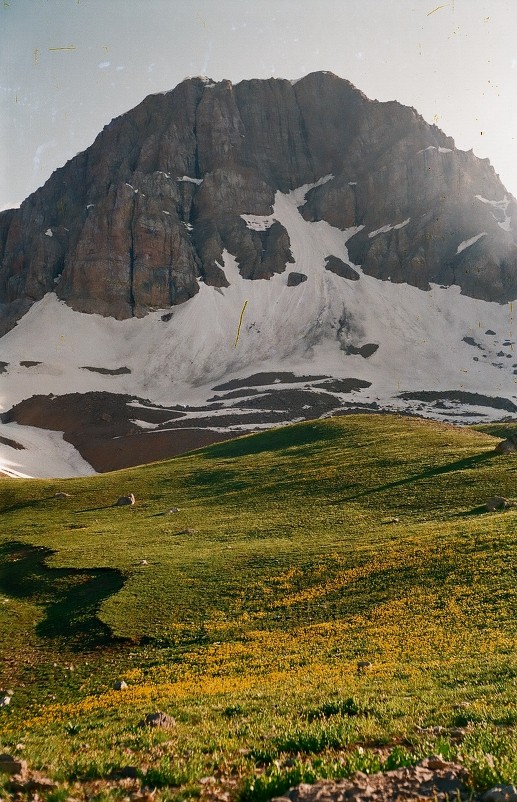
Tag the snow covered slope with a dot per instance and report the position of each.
(392, 338)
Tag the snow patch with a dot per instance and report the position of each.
(468, 242)
(45, 454)
(433, 147)
(144, 424)
(502, 205)
(257, 222)
(385, 229)
(298, 195)
(191, 180)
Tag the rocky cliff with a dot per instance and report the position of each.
(137, 220)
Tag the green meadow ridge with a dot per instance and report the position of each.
(293, 555)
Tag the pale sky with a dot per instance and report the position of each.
(67, 67)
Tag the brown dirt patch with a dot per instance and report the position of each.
(100, 427)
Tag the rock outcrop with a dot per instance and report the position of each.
(138, 219)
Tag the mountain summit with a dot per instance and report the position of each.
(297, 232)
(135, 221)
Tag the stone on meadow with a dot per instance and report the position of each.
(496, 503)
(501, 793)
(124, 501)
(508, 446)
(11, 765)
(158, 719)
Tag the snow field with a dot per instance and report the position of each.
(302, 329)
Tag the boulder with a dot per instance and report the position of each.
(496, 503)
(124, 501)
(293, 279)
(119, 685)
(11, 765)
(340, 268)
(501, 793)
(366, 350)
(158, 719)
(508, 446)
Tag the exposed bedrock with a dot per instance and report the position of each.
(136, 220)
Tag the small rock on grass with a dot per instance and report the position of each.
(125, 773)
(501, 793)
(497, 503)
(11, 765)
(124, 501)
(119, 685)
(158, 719)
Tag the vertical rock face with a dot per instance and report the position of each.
(141, 216)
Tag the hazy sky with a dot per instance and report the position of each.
(69, 66)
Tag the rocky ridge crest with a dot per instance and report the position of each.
(134, 222)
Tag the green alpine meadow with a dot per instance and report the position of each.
(306, 602)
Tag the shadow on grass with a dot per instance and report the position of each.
(481, 510)
(97, 509)
(451, 467)
(30, 503)
(70, 597)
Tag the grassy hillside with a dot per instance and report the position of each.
(295, 554)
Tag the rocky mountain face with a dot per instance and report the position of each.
(136, 221)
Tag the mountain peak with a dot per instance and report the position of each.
(146, 211)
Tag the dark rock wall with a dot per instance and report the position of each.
(128, 236)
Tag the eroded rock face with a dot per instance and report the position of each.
(147, 211)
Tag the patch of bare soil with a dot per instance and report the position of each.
(446, 782)
(432, 779)
(261, 379)
(100, 426)
(107, 371)
(461, 397)
(110, 432)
